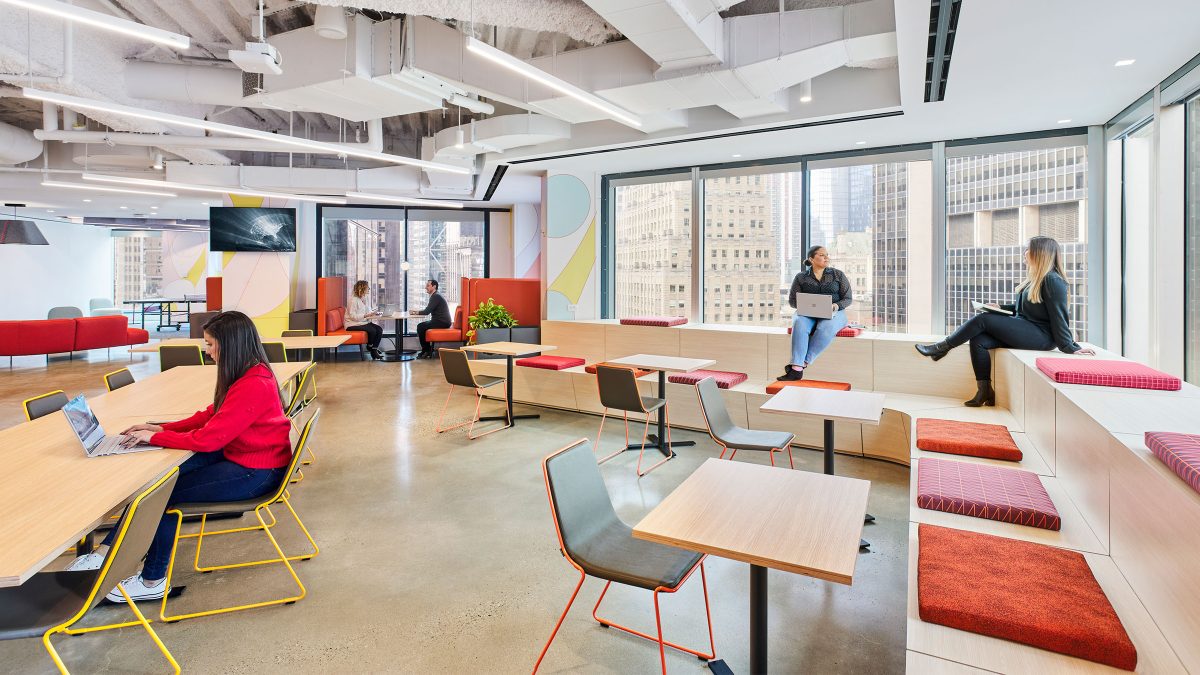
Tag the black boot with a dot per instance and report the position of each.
(985, 396)
(934, 351)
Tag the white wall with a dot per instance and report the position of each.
(76, 267)
(500, 244)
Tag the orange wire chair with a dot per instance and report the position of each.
(618, 389)
(457, 370)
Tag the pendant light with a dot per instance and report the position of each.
(19, 231)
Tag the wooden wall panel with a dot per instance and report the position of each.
(899, 368)
(1083, 455)
(1009, 378)
(847, 360)
(621, 341)
(737, 351)
(890, 439)
(1039, 414)
(583, 340)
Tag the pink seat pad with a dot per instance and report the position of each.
(1107, 373)
(1180, 452)
(846, 331)
(550, 362)
(725, 379)
(654, 321)
(983, 491)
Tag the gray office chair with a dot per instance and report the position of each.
(299, 354)
(457, 370)
(170, 356)
(597, 543)
(64, 313)
(732, 437)
(118, 378)
(53, 602)
(619, 391)
(275, 352)
(40, 406)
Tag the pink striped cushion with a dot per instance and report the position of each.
(654, 321)
(550, 362)
(983, 491)
(1181, 452)
(725, 379)
(1108, 374)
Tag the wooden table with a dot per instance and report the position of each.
(509, 350)
(794, 521)
(664, 365)
(305, 342)
(52, 494)
(400, 329)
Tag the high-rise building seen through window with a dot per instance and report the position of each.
(1192, 244)
(137, 266)
(652, 234)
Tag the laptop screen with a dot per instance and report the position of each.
(84, 423)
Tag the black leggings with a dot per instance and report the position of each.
(374, 333)
(989, 331)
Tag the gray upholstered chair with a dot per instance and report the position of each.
(118, 378)
(619, 391)
(103, 307)
(275, 352)
(457, 370)
(196, 321)
(170, 356)
(730, 436)
(299, 354)
(40, 406)
(64, 313)
(53, 602)
(597, 543)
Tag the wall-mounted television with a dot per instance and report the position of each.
(251, 229)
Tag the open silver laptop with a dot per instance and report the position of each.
(387, 309)
(814, 305)
(95, 442)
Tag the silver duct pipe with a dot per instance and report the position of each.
(373, 143)
(17, 145)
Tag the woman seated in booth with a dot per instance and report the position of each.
(359, 315)
(241, 441)
(812, 334)
(1039, 319)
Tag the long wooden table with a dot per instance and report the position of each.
(51, 493)
(303, 342)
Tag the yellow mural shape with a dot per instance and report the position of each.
(574, 276)
(246, 202)
(198, 269)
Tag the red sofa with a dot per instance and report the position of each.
(58, 336)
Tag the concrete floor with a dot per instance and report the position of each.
(438, 554)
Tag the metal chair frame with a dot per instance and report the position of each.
(478, 401)
(108, 379)
(724, 447)
(625, 415)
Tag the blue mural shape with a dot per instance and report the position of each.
(567, 205)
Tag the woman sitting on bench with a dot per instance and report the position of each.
(812, 334)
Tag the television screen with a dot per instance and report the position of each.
(250, 229)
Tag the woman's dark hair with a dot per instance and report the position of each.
(812, 250)
(240, 350)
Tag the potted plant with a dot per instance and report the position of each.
(490, 323)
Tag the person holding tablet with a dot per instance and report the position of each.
(241, 441)
(359, 315)
(813, 326)
(1039, 319)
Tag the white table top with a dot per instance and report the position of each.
(666, 364)
(865, 407)
(509, 348)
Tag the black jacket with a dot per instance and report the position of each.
(833, 282)
(437, 309)
(1051, 314)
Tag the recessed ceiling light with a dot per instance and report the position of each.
(49, 210)
(737, 155)
(124, 207)
(153, 208)
(1124, 62)
(1066, 121)
(204, 204)
(860, 142)
(87, 200)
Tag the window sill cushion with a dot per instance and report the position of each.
(984, 491)
(725, 379)
(1180, 452)
(550, 362)
(973, 439)
(654, 321)
(1106, 373)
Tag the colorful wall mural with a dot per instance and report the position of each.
(184, 263)
(259, 284)
(572, 246)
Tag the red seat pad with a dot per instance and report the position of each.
(357, 337)
(984, 491)
(637, 372)
(1181, 452)
(654, 321)
(846, 331)
(725, 379)
(1108, 374)
(776, 386)
(550, 362)
(136, 336)
(973, 439)
(1030, 593)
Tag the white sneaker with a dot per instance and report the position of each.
(138, 591)
(87, 561)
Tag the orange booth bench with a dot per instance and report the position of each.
(331, 313)
(521, 297)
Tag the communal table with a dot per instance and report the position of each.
(509, 350)
(863, 407)
(794, 521)
(664, 365)
(399, 331)
(165, 309)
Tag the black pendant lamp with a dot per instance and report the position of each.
(14, 231)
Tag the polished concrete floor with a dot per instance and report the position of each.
(438, 554)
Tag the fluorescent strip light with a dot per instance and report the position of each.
(542, 77)
(413, 201)
(103, 21)
(192, 187)
(102, 188)
(74, 102)
(1125, 62)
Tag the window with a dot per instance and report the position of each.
(1137, 153)
(649, 261)
(443, 245)
(1192, 287)
(137, 266)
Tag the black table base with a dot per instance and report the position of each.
(862, 543)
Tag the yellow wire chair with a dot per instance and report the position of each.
(55, 593)
(258, 505)
(44, 404)
(117, 379)
(300, 400)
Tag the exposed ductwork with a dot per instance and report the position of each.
(498, 134)
(668, 31)
(204, 85)
(171, 143)
(18, 145)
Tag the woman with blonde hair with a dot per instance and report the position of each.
(359, 315)
(1039, 320)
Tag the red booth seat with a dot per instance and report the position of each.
(637, 372)
(335, 324)
(725, 379)
(550, 362)
(778, 385)
(984, 491)
(452, 334)
(1180, 452)
(654, 321)
(1105, 373)
(973, 439)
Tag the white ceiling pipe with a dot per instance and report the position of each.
(17, 145)
(374, 142)
(205, 85)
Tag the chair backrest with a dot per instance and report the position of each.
(300, 354)
(297, 452)
(170, 356)
(40, 406)
(275, 352)
(134, 532)
(99, 303)
(299, 400)
(579, 500)
(618, 388)
(64, 313)
(456, 367)
(713, 407)
(118, 378)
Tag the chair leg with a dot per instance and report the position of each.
(790, 462)
(199, 536)
(141, 621)
(600, 434)
(439, 428)
(771, 454)
(664, 643)
(645, 431)
(558, 625)
(471, 435)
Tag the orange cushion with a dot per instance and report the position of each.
(335, 320)
(1034, 594)
(973, 439)
(444, 335)
(778, 385)
(637, 372)
(357, 337)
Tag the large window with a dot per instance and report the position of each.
(652, 233)
(1138, 302)
(1192, 288)
(446, 246)
(137, 266)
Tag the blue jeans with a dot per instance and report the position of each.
(811, 336)
(204, 477)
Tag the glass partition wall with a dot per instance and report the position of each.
(1192, 243)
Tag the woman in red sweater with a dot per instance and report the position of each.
(241, 441)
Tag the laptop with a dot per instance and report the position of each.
(387, 309)
(95, 442)
(814, 305)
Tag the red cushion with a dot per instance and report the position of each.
(984, 491)
(1181, 452)
(335, 320)
(136, 336)
(846, 331)
(550, 362)
(776, 386)
(357, 337)
(98, 332)
(973, 439)
(444, 335)
(653, 321)
(39, 336)
(1108, 374)
(724, 379)
(637, 372)
(1030, 593)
